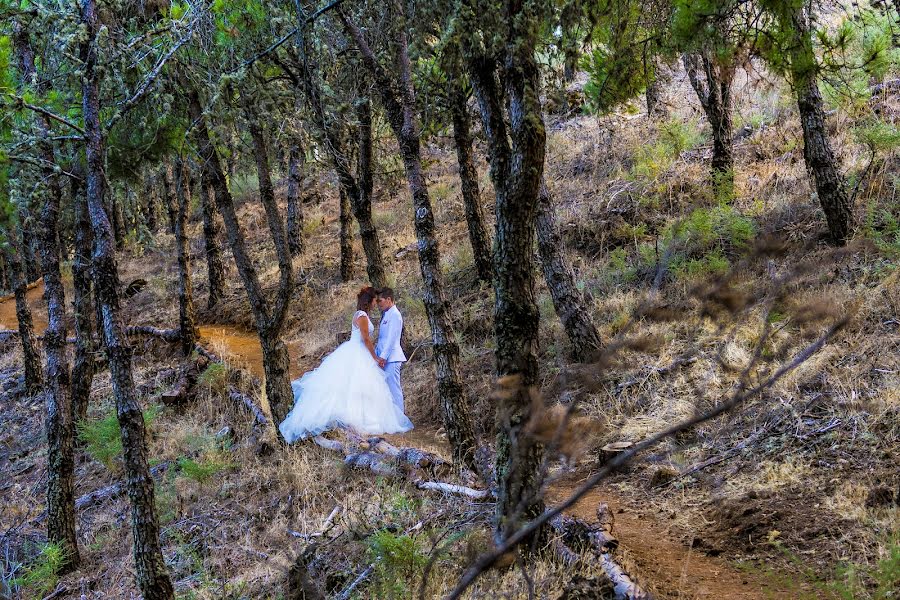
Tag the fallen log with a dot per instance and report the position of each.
(259, 417)
(450, 488)
(169, 335)
(372, 461)
(409, 456)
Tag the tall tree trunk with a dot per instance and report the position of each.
(5, 285)
(118, 220)
(150, 567)
(83, 369)
(346, 237)
(269, 320)
(399, 104)
(294, 209)
(150, 205)
(712, 82)
(817, 152)
(212, 233)
(362, 203)
(661, 76)
(59, 422)
(168, 178)
(29, 247)
(568, 301)
(468, 177)
(517, 163)
(186, 321)
(31, 356)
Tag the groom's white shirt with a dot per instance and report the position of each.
(388, 346)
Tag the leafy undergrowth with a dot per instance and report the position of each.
(799, 485)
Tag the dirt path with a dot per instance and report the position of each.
(35, 297)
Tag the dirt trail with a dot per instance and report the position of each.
(35, 297)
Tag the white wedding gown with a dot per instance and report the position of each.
(347, 390)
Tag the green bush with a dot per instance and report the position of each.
(102, 439)
(204, 469)
(397, 558)
(214, 378)
(40, 578)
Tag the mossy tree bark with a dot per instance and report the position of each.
(570, 304)
(517, 164)
(150, 203)
(468, 178)
(711, 81)
(83, 368)
(31, 356)
(168, 180)
(398, 99)
(59, 422)
(186, 320)
(269, 318)
(150, 567)
(294, 208)
(212, 233)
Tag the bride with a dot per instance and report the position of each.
(348, 389)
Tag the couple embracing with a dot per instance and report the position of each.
(358, 385)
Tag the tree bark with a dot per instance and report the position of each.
(168, 178)
(212, 233)
(150, 567)
(399, 104)
(517, 162)
(118, 220)
(269, 320)
(83, 369)
(29, 246)
(569, 302)
(468, 177)
(58, 423)
(712, 83)
(346, 237)
(362, 203)
(294, 209)
(150, 205)
(186, 321)
(817, 152)
(31, 356)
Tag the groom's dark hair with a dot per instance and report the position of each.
(386, 292)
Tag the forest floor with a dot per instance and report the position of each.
(793, 495)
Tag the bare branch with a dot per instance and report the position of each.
(50, 115)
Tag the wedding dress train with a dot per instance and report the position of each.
(347, 390)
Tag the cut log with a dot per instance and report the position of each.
(610, 451)
(409, 456)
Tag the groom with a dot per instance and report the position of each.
(390, 354)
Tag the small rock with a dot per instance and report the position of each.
(223, 433)
(662, 476)
(880, 496)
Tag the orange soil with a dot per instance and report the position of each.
(35, 297)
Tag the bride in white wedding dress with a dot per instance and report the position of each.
(348, 389)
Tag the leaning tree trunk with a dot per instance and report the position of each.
(31, 356)
(168, 178)
(186, 321)
(516, 171)
(150, 567)
(569, 302)
(294, 209)
(399, 104)
(83, 368)
(346, 237)
(362, 203)
(212, 233)
(269, 320)
(817, 152)
(712, 83)
(468, 178)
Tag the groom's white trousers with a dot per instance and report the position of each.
(392, 377)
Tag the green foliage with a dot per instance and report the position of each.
(878, 582)
(214, 378)
(398, 558)
(203, 469)
(675, 136)
(41, 577)
(102, 438)
(878, 135)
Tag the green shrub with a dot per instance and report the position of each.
(214, 378)
(397, 558)
(41, 577)
(204, 469)
(102, 439)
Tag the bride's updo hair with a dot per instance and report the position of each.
(364, 297)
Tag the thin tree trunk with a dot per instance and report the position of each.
(569, 302)
(346, 237)
(212, 233)
(401, 112)
(468, 177)
(58, 422)
(31, 357)
(150, 205)
(168, 178)
(29, 247)
(269, 321)
(118, 220)
(516, 171)
(712, 83)
(150, 567)
(83, 369)
(186, 321)
(362, 204)
(294, 209)
(817, 151)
